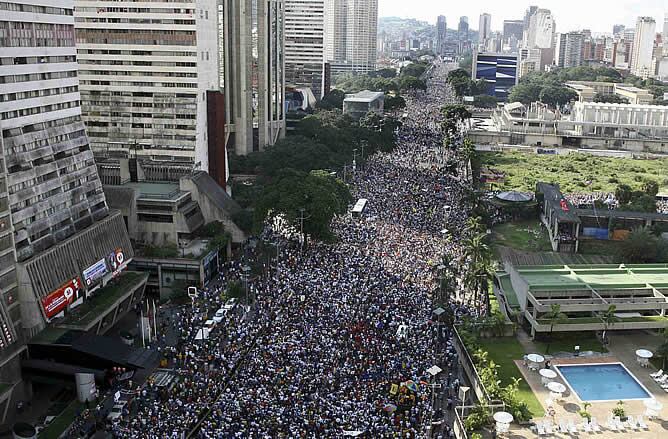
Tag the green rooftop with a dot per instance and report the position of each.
(595, 276)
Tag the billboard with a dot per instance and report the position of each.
(95, 272)
(60, 298)
(116, 261)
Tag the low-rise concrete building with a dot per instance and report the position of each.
(587, 91)
(359, 104)
(585, 292)
(634, 95)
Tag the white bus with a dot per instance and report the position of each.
(359, 207)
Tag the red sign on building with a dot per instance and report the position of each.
(59, 299)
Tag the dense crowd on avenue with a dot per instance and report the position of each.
(340, 336)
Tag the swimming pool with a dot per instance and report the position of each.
(602, 382)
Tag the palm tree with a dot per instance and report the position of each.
(609, 318)
(480, 266)
(554, 316)
(662, 352)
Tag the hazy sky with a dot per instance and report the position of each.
(597, 15)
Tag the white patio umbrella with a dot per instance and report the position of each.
(547, 373)
(556, 387)
(503, 417)
(644, 353)
(535, 358)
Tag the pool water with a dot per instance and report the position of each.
(602, 382)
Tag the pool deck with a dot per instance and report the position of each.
(567, 408)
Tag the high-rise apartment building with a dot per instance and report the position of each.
(664, 35)
(144, 71)
(527, 16)
(541, 30)
(441, 33)
(351, 28)
(54, 220)
(513, 28)
(568, 52)
(463, 35)
(643, 46)
(304, 44)
(618, 29)
(484, 27)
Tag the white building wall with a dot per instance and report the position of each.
(351, 28)
(144, 69)
(304, 43)
(643, 46)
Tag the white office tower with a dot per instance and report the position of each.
(441, 33)
(643, 46)
(304, 44)
(568, 52)
(540, 33)
(144, 70)
(351, 34)
(484, 28)
(664, 35)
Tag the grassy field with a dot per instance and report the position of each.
(62, 421)
(504, 351)
(574, 172)
(524, 235)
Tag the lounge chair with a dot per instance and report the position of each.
(594, 425)
(660, 378)
(656, 374)
(641, 423)
(585, 426)
(562, 427)
(540, 429)
(618, 422)
(631, 422)
(612, 425)
(572, 428)
(548, 427)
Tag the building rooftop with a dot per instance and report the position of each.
(159, 190)
(595, 277)
(364, 96)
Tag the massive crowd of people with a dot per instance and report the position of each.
(340, 336)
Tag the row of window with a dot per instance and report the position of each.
(155, 137)
(140, 73)
(37, 93)
(117, 62)
(133, 21)
(133, 41)
(39, 110)
(160, 53)
(20, 7)
(22, 60)
(139, 10)
(139, 84)
(12, 79)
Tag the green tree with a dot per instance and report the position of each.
(623, 193)
(333, 99)
(525, 93)
(557, 96)
(650, 187)
(394, 102)
(609, 318)
(415, 69)
(319, 194)
(662, 352)
(295, 152)
(485, 101)
(384, 73)
(610, 98)
(554, 316)
(640, 247)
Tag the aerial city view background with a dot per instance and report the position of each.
(333, 218)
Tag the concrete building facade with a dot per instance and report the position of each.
(441, 34)
(643, 46)
(54, 221)
(144, 71)
(351, 28)
(254, 73)
(568, 51)
(484, 28)
(541, 30)
(305, 44)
